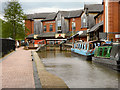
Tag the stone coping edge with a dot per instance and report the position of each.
(47, 79)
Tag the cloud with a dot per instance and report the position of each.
(52, 9)
(99, 1)
(37, 6)
(33, 7)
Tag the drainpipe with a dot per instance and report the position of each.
(106, 18)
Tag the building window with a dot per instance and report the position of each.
(59, 25)
(84, 20)
(73, 26)
(84, 23)
(99, 19)
(51, 27)
(45, 28)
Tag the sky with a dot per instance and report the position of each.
(39, 6)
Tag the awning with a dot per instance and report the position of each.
(49, 34)
(31, 36)
(84, 34)
(96, 27)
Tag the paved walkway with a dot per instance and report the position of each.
(17, 70)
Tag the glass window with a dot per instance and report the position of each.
(45, 28)
(105, 51)
(56, 42)
(84, 23)
(83, 46)
(84, 20)
(59, 25)
(51, 27)
(91, 46)
(100, 51)
(73, 26)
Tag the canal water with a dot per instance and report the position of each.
(77, 72)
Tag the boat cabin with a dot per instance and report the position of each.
(112, 52)
(88, 45)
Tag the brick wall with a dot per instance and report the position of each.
(77, 23)
(29, 25)
(113, 16)
(48, 23)
(119, 17)
(113, 19)
(100, 18)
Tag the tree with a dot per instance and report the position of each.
(14, 25)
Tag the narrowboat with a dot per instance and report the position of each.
(86, 48)
(108, 55)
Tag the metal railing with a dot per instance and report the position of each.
(6, 46)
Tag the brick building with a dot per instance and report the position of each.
(34, 24)
(96, 32)
(95, 21)
(112, 19)
(88, 21)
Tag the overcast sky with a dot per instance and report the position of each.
(37, 6)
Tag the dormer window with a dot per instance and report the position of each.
(59, 25)
(84, 20)
(84, 23)
(73, 26)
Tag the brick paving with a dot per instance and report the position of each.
(17, 70)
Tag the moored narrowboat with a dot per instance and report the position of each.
(86, 48)
(108, 56)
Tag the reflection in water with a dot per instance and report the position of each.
(78, 73)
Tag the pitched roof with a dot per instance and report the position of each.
(71, 14)
(37, 15)
(98, 14)
(41, 15)
(96, 27)
(29, 16)
(94, 7)
(50, 17)
(31, 36)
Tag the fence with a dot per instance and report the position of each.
(6, 46)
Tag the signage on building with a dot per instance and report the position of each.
(117, 36)
(59, 35)
(35, 36)
(50, 22)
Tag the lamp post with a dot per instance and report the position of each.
(72, 35)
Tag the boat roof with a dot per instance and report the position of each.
(95, 41)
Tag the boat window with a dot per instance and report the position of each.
(91, 46)
(100, 51)
(86, 46)
(83, 46)
(105, 51)
(110, 49)
(74, 45)
(80, 45)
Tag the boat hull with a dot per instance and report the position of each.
(113, 64)
(82, 53)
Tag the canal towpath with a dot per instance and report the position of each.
(17, 70)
